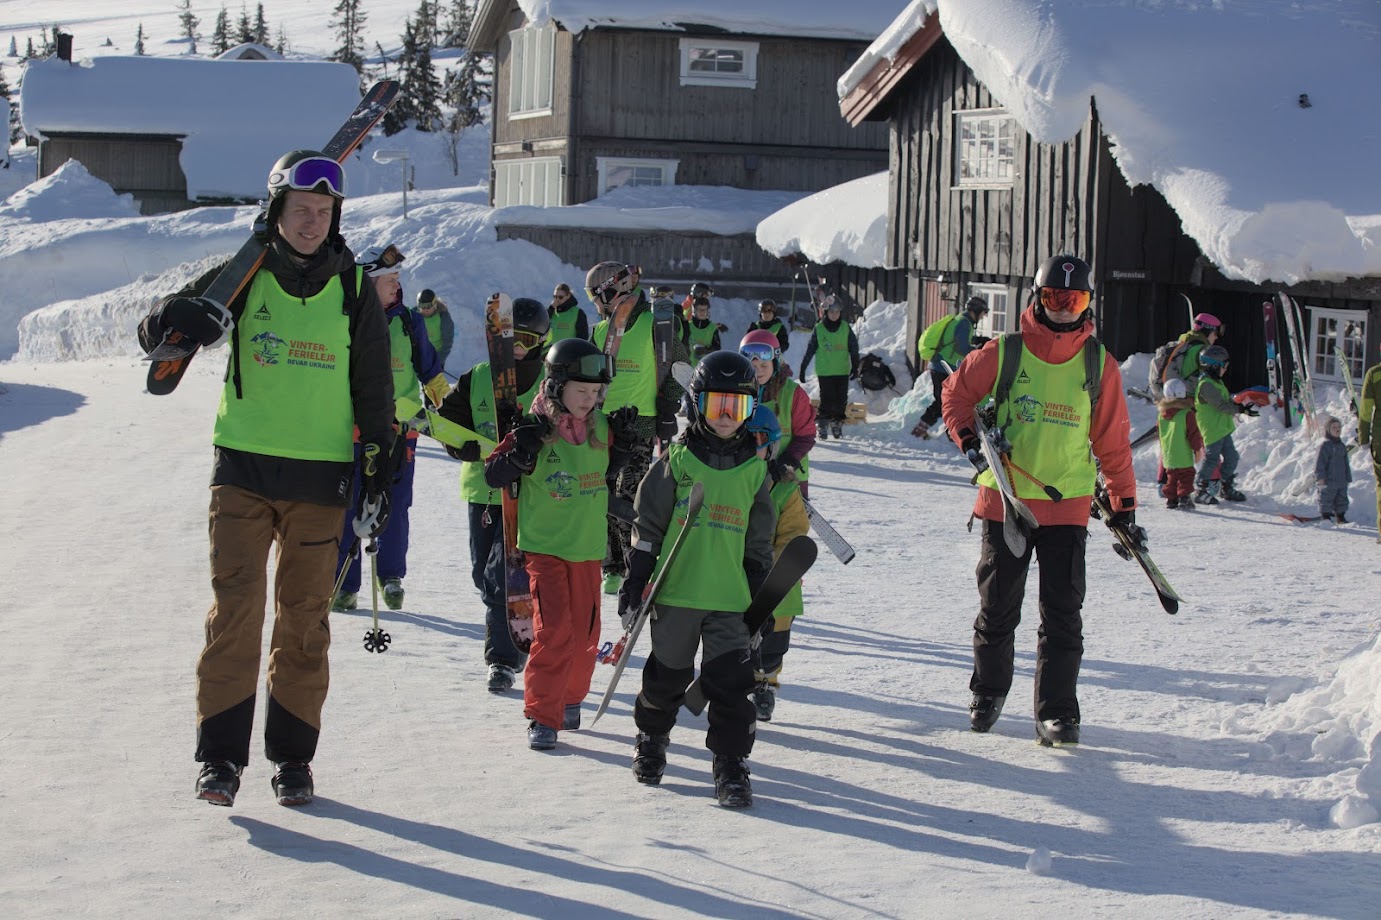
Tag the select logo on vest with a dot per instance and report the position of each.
(302, 353)
(266, 346)
(1027, 407)
(263, 313)
(1023, 378)
(552, 456)
(561, 485)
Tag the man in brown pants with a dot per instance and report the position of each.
(308, 362)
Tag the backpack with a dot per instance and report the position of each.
(1166, 364)
(874, 374)
(933, 338)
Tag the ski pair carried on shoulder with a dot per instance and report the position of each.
(170, 359)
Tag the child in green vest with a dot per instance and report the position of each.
(1217, 417)
(562, 455)
(1180, 443)
(441, 328)
(792, 522)
(723, 560)
(837, 365)
(700, 335)
(767, 320)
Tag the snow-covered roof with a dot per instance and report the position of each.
(236, 117)
(1258, 120)
(249, 51)
(860, 20)
(846, 223)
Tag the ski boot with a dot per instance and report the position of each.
(344, 600)
(822, 431)
(837, 429)
(1230, 493)
(393, 593)
(540, 737)
(570, 719)
(984, 710)
(292, 783)
(1206, 494)
(1341, 519)
(650, 758)
(1057, 732)
(732, 786)
(764, 700)
(612, 582)
(922, 431)
(218, 782)
(1186, 503)
(501, 678)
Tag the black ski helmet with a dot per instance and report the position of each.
(575, 359)
(280, 183)
(532, 316)
(723, 372)
(976, 305)
(1065, 271)
(701, 289)
(1215, 356)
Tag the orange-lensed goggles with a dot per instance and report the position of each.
(736, 406)
(1059, 300)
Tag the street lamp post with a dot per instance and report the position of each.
(396, 156)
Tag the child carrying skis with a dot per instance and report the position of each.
(1333, 473)
(563, 452)
(1180, 443)
(722, 562)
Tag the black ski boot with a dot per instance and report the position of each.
(218, 782)
(501, 678)
(1230, 492)
(292, 783)
(984, 710)
(650, 758)
(764, 700)
(837, 429)
(1057, 732)
(1205, 494)
(732, 786)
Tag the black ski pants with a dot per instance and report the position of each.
(1059, 551)
(625, 487)
(834, 396)
(932, 412)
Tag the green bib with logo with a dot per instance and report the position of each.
(473, 488)
(793, 605)
(832, 351)
(1214, 424)
(563, 324)
(702, 337)
(406, 388)
(434, 330)
(635, 368)
(781, 407)
(564, 502)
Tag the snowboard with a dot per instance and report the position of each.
(795, 560)
(498, 333)
(172, 356)
(694, 502)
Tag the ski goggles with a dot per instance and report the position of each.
(758, 351)
(384, 263)
(1061, 300)
(735, 406)
(590, 369)
(526, 339)
(306, 175)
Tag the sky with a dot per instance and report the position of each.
(1230, 764)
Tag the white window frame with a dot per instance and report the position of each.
(531, 181)
(999, 298)
(531, 64)
(606, 165)
(747, 78)
(1324, 328)
(981, 157)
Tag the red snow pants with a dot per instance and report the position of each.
(565, 620)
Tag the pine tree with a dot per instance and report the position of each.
(420, 82)
(189, 22)
(349, 23)
(244, 28)
(14, 132)
(280, 44)
(29, 50)
(220, 35)
(404, 110)
(466, 91)
(14, 48)
(459, 18)
(261, 26)
(138, 41)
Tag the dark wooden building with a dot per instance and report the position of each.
(976, 204)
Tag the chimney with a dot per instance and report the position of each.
(65, 47)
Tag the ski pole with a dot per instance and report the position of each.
(1054, 493)
(349, 559)
(375, 640)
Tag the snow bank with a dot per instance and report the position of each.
(846, 223)
(70, 192)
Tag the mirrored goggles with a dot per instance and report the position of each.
(758, 351)
(736, 406)
(306, 175)
(1059, 300)
(526, 339)
(591, 368)
(384, 262)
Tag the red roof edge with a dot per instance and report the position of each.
(885, 75)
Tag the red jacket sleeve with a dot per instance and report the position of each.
(803, 428)
(1110, 433)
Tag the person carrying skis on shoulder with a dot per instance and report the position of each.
(838, 364)
(1369, 421)
(441, 328)
(413, 360)
(635, 384)
(1217, 418)
(790, 404)
(567, 319)
(562, 453)
(792, 522)
(1059, 401)
(955, 341)
(1180, 443)
(1333, 473)
(471, 405)
(700, 335)
(284, 461)
(724, 559)
(767, 319)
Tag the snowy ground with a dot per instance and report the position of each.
(1216, 743)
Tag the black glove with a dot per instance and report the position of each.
(527, 442)
(973, 449)
(756, 575)
(1125, 521)
(640, 563)
(853, 374)
(623, 427)
(201, 319)
(1248, 409)
(780, 470)
(667, 426)
(469, 452)
(376, 474)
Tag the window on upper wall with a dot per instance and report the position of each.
(985, 148)
(998, 319)
(712, 62)
(1331, 330)
(530, 71)
(535, 181)
(616, 172)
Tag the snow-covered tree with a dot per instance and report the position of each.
(455, 32)
(466, 90)
(261, 26)
(14, 48)
(220, 35)
(244, 27)
(188, 22)
(348, 21)
(139, 41)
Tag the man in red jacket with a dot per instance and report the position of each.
(1050, 416)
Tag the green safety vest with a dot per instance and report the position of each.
(781, 408)
(775, 327)
(434, 330)
(563, 324)
(295, 376)
(793, 605)
(1214, 424)
(1047, 417)
(473, 488)
(1175, 452)
(406, 386)
(702, 337)
(832, 351)
(563, 503)
(635, 368)
(708, 574)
